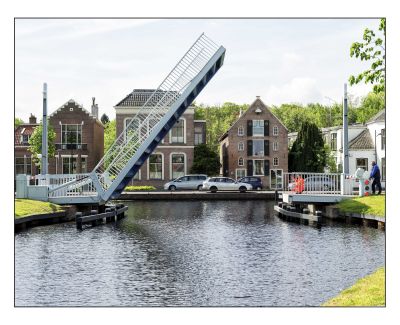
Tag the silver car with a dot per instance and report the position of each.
(215, 184)
(187, 182)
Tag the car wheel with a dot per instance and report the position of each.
(199, 188)
(242, 189)
(172, 188)
(213, 189)
(258, 188)
(326, 187)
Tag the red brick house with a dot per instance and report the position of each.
(174, 155)
(255, 145)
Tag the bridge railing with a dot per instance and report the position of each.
(312, 183)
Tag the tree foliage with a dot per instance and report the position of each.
(17, 122)
(35, 142)
(104, 119)
(372, 48)
(308, 153)
(205, 161)
(109, 135)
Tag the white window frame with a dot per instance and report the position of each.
(275, 130)
(254, 167)
(275, 146)
(79, 128)
(69, 163)
(258, 127)
(184, 131)
(170, 163)
(362, 166)
(277, 161)
(162, 167)
(240, 164)
(240, 169)
(241, 146)
(240, 131)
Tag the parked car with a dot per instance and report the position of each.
(315, 183)
(215, 184)
(255, 182)
(187, 182)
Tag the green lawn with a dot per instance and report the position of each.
(139, 188)
(368, 291)
(374, 204)
(25, 207)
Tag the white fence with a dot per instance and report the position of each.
(312, 183)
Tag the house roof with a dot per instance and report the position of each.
(72, 101)
(379, 117)
(362, 141)
(222, 137)
(23, 129)
(139, 97)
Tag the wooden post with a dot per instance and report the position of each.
(94, 212)
(78, 219)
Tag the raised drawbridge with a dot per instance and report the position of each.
(145, 131)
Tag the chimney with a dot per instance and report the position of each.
(95, 108)
(32, 119)
(258, 97)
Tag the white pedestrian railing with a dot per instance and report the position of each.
(312, 183)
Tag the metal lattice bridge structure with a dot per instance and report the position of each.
(130, 150)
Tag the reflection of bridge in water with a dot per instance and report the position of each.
(131, 149)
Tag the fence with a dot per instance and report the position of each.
(312, 183)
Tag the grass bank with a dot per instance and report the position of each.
(25, 207)
(368, 291)
(139, 188)
(374, 204)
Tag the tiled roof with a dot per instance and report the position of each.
(379, 117)
(23, 129)
(362, 141)
(138, 97)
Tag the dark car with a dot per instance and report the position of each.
(255, 182)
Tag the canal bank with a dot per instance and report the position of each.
(196, 195)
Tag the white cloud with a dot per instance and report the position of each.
(297, 90)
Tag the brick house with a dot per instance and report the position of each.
(174, 155)
(255, 145)
(23, 157)
(79, 141)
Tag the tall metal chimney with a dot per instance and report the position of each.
(44, 170)
(95, 108)
(345, 134)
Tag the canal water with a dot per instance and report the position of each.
(199, 253)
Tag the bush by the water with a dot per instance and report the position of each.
(139, 188)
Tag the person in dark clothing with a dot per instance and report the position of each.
(376, 175)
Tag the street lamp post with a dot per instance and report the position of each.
(376, 155)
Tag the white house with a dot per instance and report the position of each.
(363, 139)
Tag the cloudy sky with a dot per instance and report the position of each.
(281, 60)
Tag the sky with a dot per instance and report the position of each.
(281, 60)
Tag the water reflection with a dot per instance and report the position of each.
(192, 254)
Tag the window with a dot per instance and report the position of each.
(383, 140)
(178, 165)
(275, 146)
(240, 172)
(258, 168)
(362, 163)
(69, 165)
(258, 147)
(71, 136)
(333, 141)
(240, 146)
(137, 175)
(155, 166)
(240, 161)
(129, 130)
(276, 161)
(25, 139)
(276, 179)
(240, 131)
(258, 127)
(19, 165)
(177, 132)
(275, 130)
(198, 135)
(84, 164)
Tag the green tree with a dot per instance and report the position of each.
(370, 106)
(104, 119)
(35, 142)
(205, 161)
(308, 152)
(109, 135)
(372, 48)
(17, 122)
